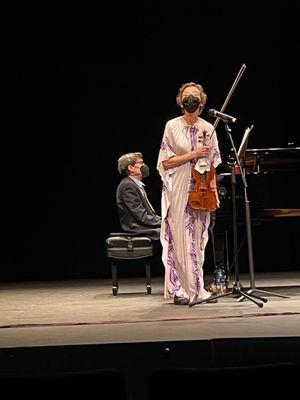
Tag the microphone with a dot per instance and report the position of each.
(224, 117)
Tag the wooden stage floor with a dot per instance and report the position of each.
(56, 328)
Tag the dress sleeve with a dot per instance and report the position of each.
(167, 150)
(215, 156)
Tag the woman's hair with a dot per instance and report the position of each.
(127, 159)
(203, 95)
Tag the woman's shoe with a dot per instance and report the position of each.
(182, 301)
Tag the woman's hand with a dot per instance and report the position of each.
(201, 151)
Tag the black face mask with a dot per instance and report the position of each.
(145, 171)
(190, 103)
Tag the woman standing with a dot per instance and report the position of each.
(188, 142)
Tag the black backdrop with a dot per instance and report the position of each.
(92, 85)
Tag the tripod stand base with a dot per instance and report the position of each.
(237, 289)
(254, 289)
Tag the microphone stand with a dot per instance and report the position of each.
(237, 288)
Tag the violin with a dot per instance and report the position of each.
(203, 195)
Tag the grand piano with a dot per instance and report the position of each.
(272, 176)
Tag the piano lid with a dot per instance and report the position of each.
(271, 159)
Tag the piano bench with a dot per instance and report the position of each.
(123, 246)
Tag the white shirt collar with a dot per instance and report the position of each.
(137, 181)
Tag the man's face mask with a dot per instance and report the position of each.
(145, 171)
(190, 103)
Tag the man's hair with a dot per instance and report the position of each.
(127, 159)
(203, 95)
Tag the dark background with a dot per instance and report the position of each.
(92, 85)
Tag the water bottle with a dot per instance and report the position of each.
(220, 279)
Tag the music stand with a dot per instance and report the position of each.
(237, 288)
(243, 146)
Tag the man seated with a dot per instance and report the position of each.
(136, 213)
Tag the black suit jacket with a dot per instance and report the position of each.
(134, 212)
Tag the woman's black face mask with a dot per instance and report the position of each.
(190, 103)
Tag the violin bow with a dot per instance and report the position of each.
(238, 77)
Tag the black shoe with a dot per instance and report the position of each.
(182, 301)
(212, 300)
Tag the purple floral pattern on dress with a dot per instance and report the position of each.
(189, 220)
(165, 145)
(214, 156)
(204, 229)
(190, 227)
(171, 262)
(193, 138)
